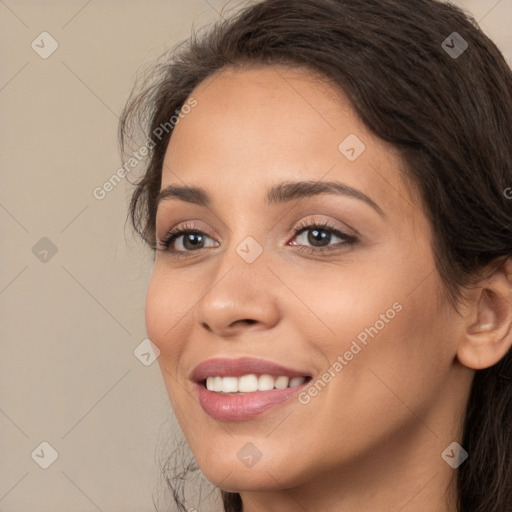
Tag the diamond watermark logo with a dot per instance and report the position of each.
(44, 455)
(352, 147)
(44, 250)
(454, 455)
(249, 454)
(146, 352)
(249, 250)
(455, 45)
(44, 45)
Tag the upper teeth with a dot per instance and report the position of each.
(251, 383)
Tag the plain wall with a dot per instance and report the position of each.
(70, 321)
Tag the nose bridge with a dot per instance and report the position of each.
(239, 289)
(245, 254)
(242, 270)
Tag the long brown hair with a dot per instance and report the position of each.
(449, 113)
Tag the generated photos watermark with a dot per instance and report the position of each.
(136, 157)
(343, 360)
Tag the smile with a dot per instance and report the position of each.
(251, 383)
(240, 389)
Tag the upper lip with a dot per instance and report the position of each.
(220, 367)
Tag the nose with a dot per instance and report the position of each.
(240, 296)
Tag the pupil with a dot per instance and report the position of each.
(318, 236)
(192, 239)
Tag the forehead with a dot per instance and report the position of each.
(266, 109)
(259, 126)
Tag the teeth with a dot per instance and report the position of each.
(229, 384)
(282, 382)
(296, 381)
(266, 383)
(217, 383)
(251, 383)
(248, 383)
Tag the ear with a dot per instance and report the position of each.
(487, 335)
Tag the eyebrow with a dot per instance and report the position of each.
(280, 193)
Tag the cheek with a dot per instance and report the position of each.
(389, 345)
(342, 306)
(165, 316)
(392, 365)
(155, 309)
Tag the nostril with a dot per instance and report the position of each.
(248, 321)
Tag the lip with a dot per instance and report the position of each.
(242, 366)
(240, 407)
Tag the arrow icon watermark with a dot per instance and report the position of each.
(44, 455)
(352, 147)
(146, 352)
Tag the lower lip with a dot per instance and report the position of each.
(243, 407)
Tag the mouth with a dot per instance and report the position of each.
(240, 389)
(251, 383)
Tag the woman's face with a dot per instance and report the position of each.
(352, 304)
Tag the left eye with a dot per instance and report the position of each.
(321, 236)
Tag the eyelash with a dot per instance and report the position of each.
(186, 229)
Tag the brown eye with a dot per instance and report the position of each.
(321, 236)
(185, 239)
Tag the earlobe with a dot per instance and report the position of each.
(488, 328)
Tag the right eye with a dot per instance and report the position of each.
(183, 239)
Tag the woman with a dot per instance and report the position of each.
(332, 286)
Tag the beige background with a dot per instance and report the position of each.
(70, 323)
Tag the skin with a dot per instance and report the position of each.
(372, 438)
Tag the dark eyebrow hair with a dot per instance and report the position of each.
(283, 192)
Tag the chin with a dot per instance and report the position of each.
(231, 473)
(249, 480)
